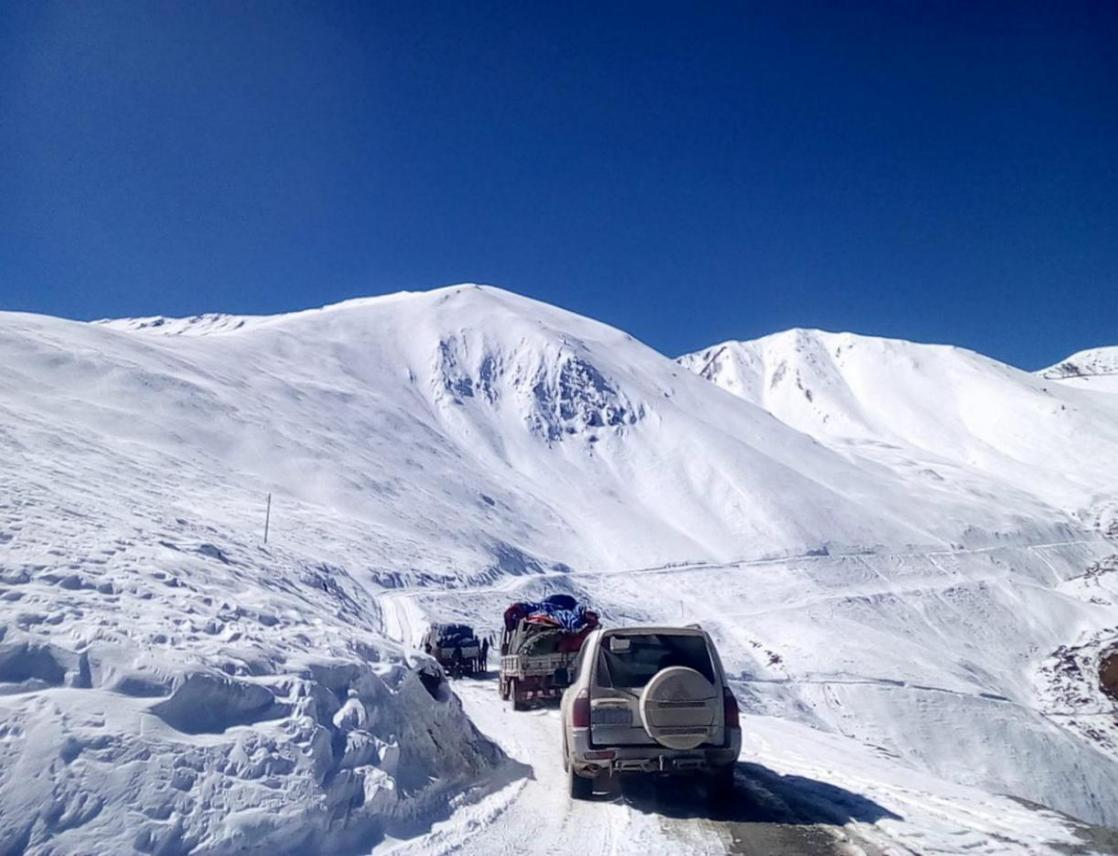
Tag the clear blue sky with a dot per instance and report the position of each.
(690, 172)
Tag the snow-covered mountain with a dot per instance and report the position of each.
(941, 415)
(1096, 369)
(970, 426)
(1095, 361)
(900, 547)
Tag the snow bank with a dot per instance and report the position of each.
(169, 694)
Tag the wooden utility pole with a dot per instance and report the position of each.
(267, 517)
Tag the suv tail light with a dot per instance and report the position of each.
(730, 716)
(580, 710)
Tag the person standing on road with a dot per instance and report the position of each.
(485, 655)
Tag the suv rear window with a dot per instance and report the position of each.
(649, 654)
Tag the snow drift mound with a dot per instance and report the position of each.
(168, 687)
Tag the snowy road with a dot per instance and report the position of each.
(771, 814)
(799, 789)
(643, 818)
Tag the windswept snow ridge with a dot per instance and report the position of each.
(196, 325)
(899, 565)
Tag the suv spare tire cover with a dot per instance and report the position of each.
(679, 708)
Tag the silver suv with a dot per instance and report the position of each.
(649, 700)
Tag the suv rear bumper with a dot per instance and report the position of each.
(651, 758)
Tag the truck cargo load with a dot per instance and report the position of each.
(539, 644)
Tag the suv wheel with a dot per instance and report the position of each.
(581, 788)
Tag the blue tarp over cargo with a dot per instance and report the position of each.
(559, 610)
(451, 635)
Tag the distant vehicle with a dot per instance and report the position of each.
(455, 647)
(539, 644)
(649, 700)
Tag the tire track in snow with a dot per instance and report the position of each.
(534, 814)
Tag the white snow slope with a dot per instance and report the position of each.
(941, 415)
(910, 564)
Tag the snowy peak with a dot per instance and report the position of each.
(1094, 362)
(497, 350)
(471, 344)
(941, 411)
(410, 411)
(825, 384)
(797, 363)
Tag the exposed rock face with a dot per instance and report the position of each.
(558, 390)
(1108, 674)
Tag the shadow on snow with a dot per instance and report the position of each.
(760, 795)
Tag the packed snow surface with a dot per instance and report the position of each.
(904, 552)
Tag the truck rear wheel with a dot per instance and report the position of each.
(518, 703)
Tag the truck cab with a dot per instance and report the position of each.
(455, 647)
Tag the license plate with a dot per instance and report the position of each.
(611, 716)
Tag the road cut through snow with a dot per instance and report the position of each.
(799, 790)
(536, 815)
